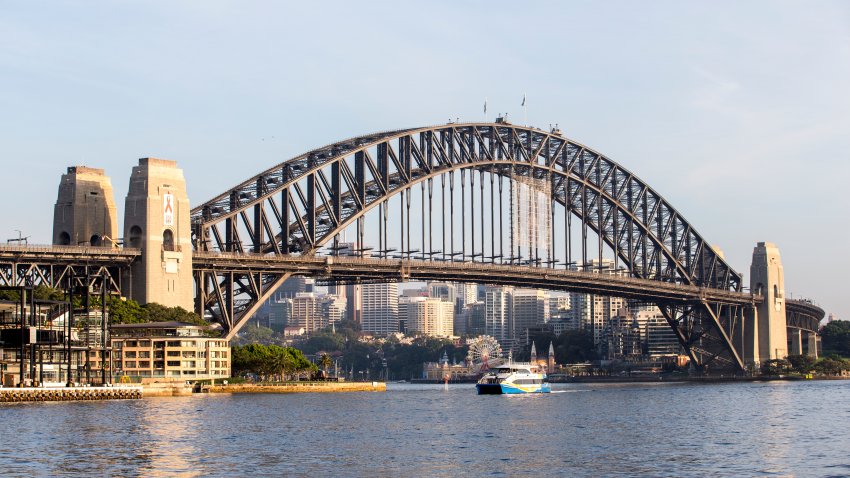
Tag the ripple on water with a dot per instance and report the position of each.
(777, 429)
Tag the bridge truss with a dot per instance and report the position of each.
(605, 220)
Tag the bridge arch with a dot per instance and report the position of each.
(300, 205)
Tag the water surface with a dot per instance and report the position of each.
(749, 429)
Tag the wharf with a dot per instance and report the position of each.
(43, 394)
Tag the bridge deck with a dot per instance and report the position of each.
(75, 254)
(347, 268)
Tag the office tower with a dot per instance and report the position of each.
(428, 316)
(530, 307)
(498, 317)
(380, 308)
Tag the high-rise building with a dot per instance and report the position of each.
(433, 317)
(380, 308)
(592, 312)
(498, 317)
(622, 336)
(660, 338)
(469, 321)
(294, 286)
(349, 292)
(558, 303)
(530, 308)
(442, 291)
(467, 293)
(333, 308)
(279, 312)
(403, 301)
(307, 312)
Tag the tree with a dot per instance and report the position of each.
(325, 361)
(574, 346)
(835, 337)
(832, 365)
(251, 334)
(775, 367)
(802, 363)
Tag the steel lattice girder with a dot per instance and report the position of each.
(299, 205)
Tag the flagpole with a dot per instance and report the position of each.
(525, 108)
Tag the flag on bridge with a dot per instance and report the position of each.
(523, 100)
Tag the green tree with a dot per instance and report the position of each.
(832, 365)
(124, 311)
(253, 334)
(775, 367)
(835, 337)
(802, 363)
(574, 346)
(325, 361)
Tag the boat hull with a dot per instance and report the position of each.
(510, 389)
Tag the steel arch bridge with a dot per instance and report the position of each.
(299, 208)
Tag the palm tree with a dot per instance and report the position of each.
(282, 361)
(325, 362)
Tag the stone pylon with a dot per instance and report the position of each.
(156, 220)
(84, 214)
(765, 330)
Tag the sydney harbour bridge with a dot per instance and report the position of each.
(490, 203)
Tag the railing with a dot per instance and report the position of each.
(86, 250)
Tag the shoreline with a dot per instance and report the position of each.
(297, 387)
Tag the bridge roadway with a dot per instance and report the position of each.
(25, 264)
(347, 268)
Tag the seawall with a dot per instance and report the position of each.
(298, 387)
(68, 394)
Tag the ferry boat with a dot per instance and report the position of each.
(513, 378)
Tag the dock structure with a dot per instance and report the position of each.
(40, 394)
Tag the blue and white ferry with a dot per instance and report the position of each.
(513, 378)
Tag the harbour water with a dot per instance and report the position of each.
(671, 429)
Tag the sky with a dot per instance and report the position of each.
(738, 113)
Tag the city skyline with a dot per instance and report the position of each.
(706, 111)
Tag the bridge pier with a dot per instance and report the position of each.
(795, 342)
(156, 220)
(766, 337)
(812, 344)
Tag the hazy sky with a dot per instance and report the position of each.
(737, 112)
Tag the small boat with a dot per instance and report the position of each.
(513, 378)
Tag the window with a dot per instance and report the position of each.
(130, 364)
(144, 364)
(129, 354)
(173, 353)
(144, 354)
(135, 239)
(144, 343)
(188, 354)
(173, 363)
(167, 240)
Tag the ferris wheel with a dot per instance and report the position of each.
(484, 351)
